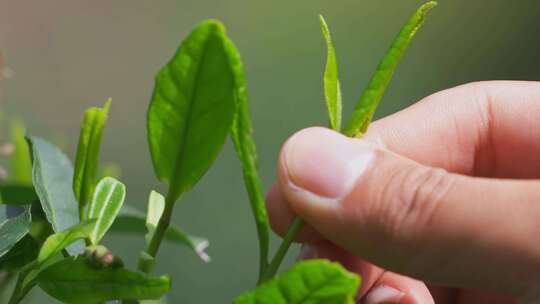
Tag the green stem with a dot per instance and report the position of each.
(19, 292)
(159, 232)
(5, 281)
(82, 214)
(272, 269)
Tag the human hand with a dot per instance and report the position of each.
(437, 203)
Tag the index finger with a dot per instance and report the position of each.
(488, 129)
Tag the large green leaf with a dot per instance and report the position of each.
(133, 221)
(15, 194)
(52, 175)
(20, 167)
(87, 161)
(108, 199)
(192, 108)
(58, 241)
(371, 97)
(15, 223)
(308, 282)
(75, 281)
(241, 134)
(332, 90)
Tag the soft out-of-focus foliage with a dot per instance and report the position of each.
(283, 53)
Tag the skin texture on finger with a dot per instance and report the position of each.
(413, 219)
(487, 129)
(395, 288)
(281, 217)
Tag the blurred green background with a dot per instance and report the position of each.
(67, 55)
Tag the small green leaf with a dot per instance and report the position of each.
(192, 108)
(60, 240)
(133, 221)
(332, 90)
(12, 194)
(20, 163)
(108, 199)
(371, 97)
(156, 205)
(241, 134)
(52, 175)
(15, 223)
(74, 281)
(313, 281)
(87, 161)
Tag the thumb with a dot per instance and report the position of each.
(413, 219)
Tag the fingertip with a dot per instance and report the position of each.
(395, 288)
(321, 161)
(281, 217)
(279, 212)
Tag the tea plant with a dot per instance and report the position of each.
(53, 216)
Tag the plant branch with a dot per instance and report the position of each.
(272, 269)
(20, 291)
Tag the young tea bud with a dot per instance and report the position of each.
(99, 256)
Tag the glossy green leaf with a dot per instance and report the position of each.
(371, 97)
(15, 223)
(75, 281)
(24, 252)
(52, 175)
(241, 134)
(307, 282)
(87, 161)
(106, 203)
(20, 167)
(60, 240)
(133, 221)
(332, 89)
(15, 194)
(192, 108)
